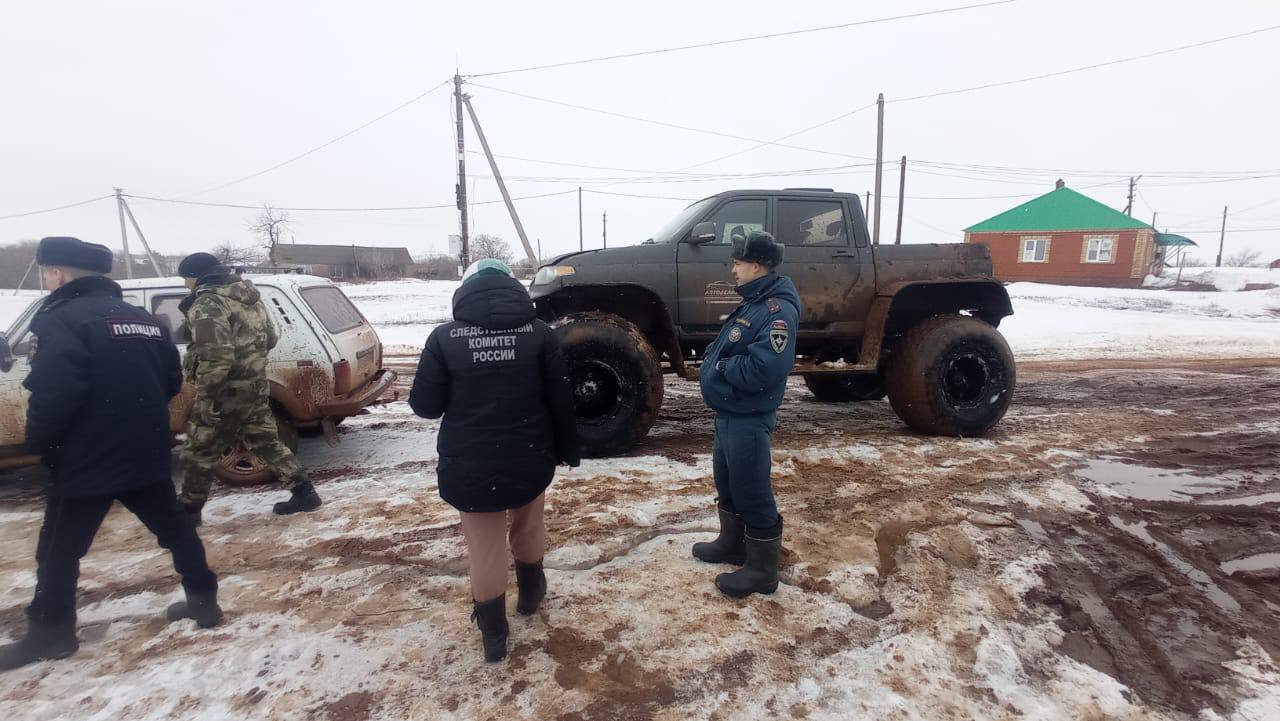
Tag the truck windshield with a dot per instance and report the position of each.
(670, 232)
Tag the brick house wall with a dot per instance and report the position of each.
(1066, 258)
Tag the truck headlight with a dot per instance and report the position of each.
(551, 272)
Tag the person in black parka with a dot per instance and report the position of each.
(497, 376)
(98, 417)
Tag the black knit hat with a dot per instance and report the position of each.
(758, 247)
(74, 253)
(197, 264)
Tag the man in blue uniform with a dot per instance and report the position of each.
(743, 376)
(98, 417)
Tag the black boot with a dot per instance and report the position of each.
(202, 607)
(491, 617)
(760, 573)
(532, 584)
(729, 546)
(43, 642)
(302, 498)
(192, 512)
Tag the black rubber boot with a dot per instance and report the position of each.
(43, 642)
(491, 617)
(531, 581)
(192, 512)
(302, 499)
(760, 573)
(729, 547)
(202, 607)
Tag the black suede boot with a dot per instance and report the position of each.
(491, 617)
(202, 607)
(729, 547)
(302, 499)
(531, 581)
(192, 512)
(43, 642)
(760, 573)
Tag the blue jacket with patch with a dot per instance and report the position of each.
(745, 369)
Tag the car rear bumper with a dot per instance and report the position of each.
(368, 393)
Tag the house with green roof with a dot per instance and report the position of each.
(1067, 238)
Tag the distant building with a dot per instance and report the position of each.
(345, 262)
(1067, 238)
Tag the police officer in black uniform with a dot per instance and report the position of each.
(98, 417)
(744, 376)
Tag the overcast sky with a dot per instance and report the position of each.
(168, 99)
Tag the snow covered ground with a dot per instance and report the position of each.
(1223, 279)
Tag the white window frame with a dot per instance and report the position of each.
(1096, 245)
(1030, 242)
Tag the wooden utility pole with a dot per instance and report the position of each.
(461, 188)
(875, 228)
(1128, 209)
(497, 176)
(902, 198)
(138, 229)
(124, 235)
(604, 228)
(1222, 238)
(580, 246)
(1153, 219)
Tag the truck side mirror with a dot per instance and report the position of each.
(704, 232)
(6, 354)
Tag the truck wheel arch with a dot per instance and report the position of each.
(635, 304)
(912, 303)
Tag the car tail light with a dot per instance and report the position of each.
(341, 378)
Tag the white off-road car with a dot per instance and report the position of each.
(327, 365)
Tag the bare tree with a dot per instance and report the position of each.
(229, 253)
(1242, 259)
(490, 246)
(269, 226)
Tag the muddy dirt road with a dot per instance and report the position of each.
(1113, 551)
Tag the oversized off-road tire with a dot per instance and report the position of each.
(241, 468)
(616, 381)
(951, 375)
(846, 388)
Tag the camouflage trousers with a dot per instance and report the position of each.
(242, 415)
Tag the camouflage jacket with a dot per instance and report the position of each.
(230, 336)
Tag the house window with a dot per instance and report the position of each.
(1035, 250)
(1099, 248)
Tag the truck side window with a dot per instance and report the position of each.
(738, 217)
(165, 308)
(812, 222)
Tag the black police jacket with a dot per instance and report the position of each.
(498, 377)
(100, 383)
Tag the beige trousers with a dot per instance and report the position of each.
(487, 536)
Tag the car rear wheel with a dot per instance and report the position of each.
(845, 388)
(242, 468)
(951, 375)
(616, 381)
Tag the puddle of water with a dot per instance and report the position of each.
(1215, 593)
(1146, 483)
(1257, 500)
(1256, 562)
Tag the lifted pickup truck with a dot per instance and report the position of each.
(917, 321)
(326, 366)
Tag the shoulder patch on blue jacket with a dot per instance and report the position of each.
(774, 306)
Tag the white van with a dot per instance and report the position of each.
(327, 365)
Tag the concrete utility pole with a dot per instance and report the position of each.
(875, 228)
(580, 246)
(604, 228)
(902, 198)
(1222, 238)
(461, 188)
(1128, 209)
(138, 229)
(23, 282)
(497, 176)
(124, 235)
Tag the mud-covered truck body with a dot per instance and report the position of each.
(916, 321)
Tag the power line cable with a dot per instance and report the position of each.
(323, 145)
(60, 207)
(242, 206)
(717, 43)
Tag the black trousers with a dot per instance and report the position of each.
(70, 524)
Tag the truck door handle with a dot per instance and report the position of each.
(844, 254)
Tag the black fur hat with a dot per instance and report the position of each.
(758, 247)
(74, 253)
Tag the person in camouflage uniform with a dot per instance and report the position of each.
(226, 362)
